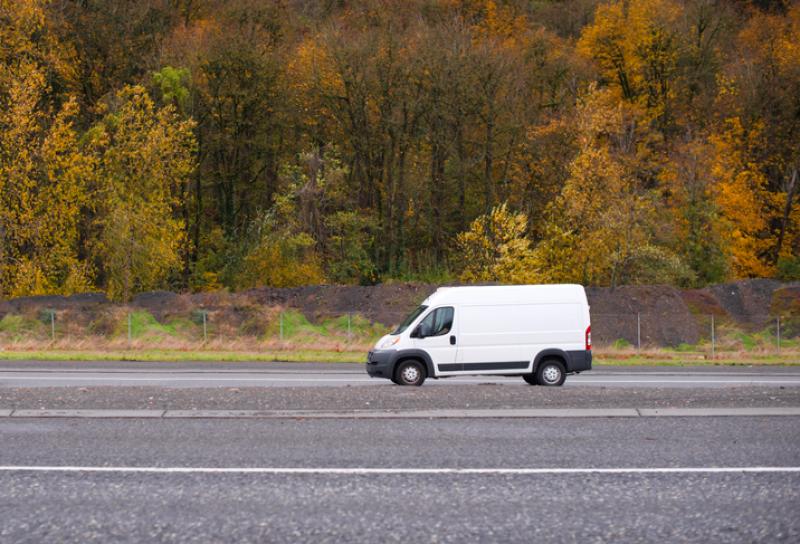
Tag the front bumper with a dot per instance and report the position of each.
(380, 363)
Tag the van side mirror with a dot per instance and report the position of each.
(416, 333)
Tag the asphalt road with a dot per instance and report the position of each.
(187, 375)
(542, 479)
(183, 499)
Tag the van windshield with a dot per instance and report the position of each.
(409, 320)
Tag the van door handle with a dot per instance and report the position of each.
(452, 340)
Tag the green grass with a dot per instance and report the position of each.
(748, 340)
(18, 327)
(309, 355)
(144, 325)
(12, 323)
(298, 328)
(294, 356)
(720, 361)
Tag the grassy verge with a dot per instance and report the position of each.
(294, 356)
(719, 361)
(330, 356)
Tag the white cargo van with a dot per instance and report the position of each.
(538, 332)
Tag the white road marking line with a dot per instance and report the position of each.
(398, 471)
(193, 372)
(167, 379)
(591, 380)
(720, 374)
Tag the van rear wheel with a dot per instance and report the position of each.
(530, 379)
(409, 373)
(551, 372)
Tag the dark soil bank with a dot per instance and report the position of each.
(667, 316)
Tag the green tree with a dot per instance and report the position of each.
(173, 84)
(350, 237)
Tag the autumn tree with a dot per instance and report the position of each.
(286, 241)
(43, 174)
(495, 249)
(758, 157)
(697, 230)
(602, 227)
(144, 154)
(744, 200)
(353, 141)
(637, 49)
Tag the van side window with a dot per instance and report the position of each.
(438, 322)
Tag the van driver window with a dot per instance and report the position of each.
(438, 322)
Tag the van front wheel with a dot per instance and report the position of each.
(409, 373)
(551, 372)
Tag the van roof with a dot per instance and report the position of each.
(508, 294)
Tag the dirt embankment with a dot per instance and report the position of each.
(665, 316)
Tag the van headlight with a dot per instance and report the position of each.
(389, 342)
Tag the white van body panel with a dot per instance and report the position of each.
(516, 332)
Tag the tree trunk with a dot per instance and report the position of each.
(488, 160)
(462, 174)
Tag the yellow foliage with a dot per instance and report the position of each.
(501, 23)
(788, 50)
(43, 173)
(636, 49)
(600, 224)
(744, 201)
(144, 155)
(313, 76)
(775, 38)
(495, 249)
(274, 265)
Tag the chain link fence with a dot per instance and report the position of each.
(702, 333)
(254, 328)
(233, 328)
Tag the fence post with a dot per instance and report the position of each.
(713, 339)
(638, 331)
(778, 330)
(205, 327)
(349, 326)
(280, 326)
(53, 325)
(130, 334)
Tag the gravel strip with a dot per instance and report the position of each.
(391, 397)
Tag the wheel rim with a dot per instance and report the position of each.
(551, 374)
(410, 374)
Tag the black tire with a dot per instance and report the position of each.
(530, 379)
(551, 372)
(410, 373)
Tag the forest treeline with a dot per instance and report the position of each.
(210, 144)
